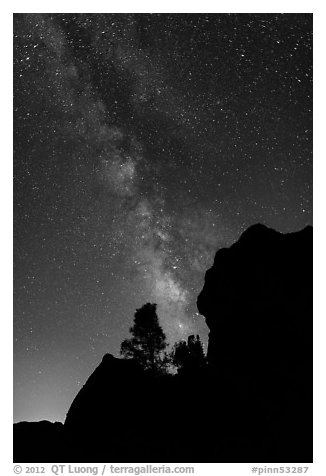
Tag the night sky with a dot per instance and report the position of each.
(143, 143)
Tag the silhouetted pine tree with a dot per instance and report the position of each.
(148, 340)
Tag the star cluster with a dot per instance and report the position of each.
(142, 144)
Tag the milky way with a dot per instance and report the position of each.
(142, 144)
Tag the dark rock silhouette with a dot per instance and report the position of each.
(134, 415)
(251, 402)
(37, 441)
(257, 301)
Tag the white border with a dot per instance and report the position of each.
(319, 465)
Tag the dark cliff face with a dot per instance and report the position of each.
(257, 301)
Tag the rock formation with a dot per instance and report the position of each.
(38, 441)
(257, 301)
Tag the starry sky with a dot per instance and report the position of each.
(143, 143)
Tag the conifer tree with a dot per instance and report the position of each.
(148, 340)
(187, 356)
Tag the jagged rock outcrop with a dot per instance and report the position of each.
(257, 301)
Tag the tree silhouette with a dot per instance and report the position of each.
(187, 356)
(148, 340)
